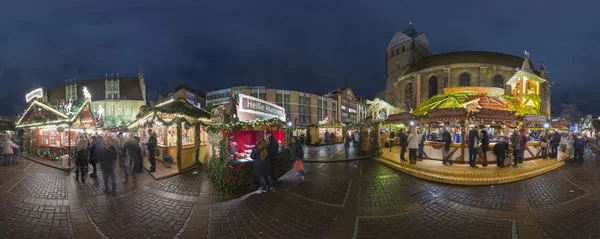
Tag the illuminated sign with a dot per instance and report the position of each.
(495, 114)
(447, 113)
(400, 117)
(251, 108)
(37, 93)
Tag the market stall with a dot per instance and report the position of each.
(461, 109)
(51, 130)
(317, 132)
(180, 132)
(234, 137)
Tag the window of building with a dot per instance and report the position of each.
(498, 81)
(120, 110)
(403, 49)
(190, 101)
(199, 105)
(115, 96)
(433, 86)
(343, 107)
(465, 79)
(408, 92)
(398, 66)
(397, 51)
(189, 95)
(129, 110)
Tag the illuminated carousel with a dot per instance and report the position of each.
(461, 109)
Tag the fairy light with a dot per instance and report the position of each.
(37, 93)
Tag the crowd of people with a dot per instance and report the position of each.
(9, 147)
(264, 155)
(109, 152)
(478, 142)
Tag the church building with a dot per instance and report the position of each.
(414, 74)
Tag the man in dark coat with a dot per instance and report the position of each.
(579, 146)
(152, 142)
(403, 141)
(272, 151)
(446, 140)
(555, 142)
(473, 147)
(500, 152)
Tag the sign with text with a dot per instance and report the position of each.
(535, 118)
(251, 108)
(495, 114)
(447, 113)
(400, 117)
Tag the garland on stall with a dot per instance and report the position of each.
(179, 144)
(197, 144)
(47, 153)
(274, 124)
(31, 141)
(375, 147)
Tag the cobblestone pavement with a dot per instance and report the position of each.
(331, 153)
(351, 199)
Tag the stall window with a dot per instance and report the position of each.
(160, 134)
(187, 136)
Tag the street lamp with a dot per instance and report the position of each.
(412, 123)
(546, 125)
(289, 123)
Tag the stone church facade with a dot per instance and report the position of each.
(414, 74)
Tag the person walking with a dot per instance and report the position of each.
(262, 164)
(544, 145)
(414, 139)
(555, 142)
(8, 147)
(92, 155)
(108, 162)
(152, 142)
(446, 141)
(81, 159)
(132, 150)
(15, 139)
(473, 147)
(403, 141)
(423, 135)
(500, 150)
(352, 136)
(347, 141)
(579, 147)
(569, 147)
(485, 146)
(297, 157)
(392, 135)
(138, 162)
(327, 139)
(515, 144)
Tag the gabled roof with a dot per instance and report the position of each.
(48, 114)
(175, 107)
(525, 71)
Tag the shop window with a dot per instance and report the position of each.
(433, 87)
(187, 136)
(498, 81)
(189, 95)
(464, 79)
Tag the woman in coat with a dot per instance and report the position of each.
(485, 146)
(262, 163)
(297, 154)
(414, 139)
(7, 149)
(81, 159)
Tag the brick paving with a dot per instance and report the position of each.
(351, 199)
(332, 153)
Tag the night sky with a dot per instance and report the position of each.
(310, 46)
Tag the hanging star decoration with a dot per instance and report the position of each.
(472, 106)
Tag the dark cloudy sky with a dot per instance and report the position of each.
(311, 46)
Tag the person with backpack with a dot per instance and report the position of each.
(500, 150)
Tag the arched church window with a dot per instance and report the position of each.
(433, 86)
(498, 81)
(408, 92)
(464, 79)
(397, 51)
(403, 48)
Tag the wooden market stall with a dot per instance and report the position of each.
(180, 133)
(236, 132)
(50, 131)
(317, 132)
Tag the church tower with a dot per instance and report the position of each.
(404, 50)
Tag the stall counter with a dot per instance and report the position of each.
(432, 150)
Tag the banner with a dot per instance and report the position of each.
(447, 113)
(251, 108)
(400, 117)
(495, 114)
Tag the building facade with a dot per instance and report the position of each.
(192, 96)
(115, 100)
(414, 74)
(302, 109)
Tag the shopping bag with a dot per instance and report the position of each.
(298, 165)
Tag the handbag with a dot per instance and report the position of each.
(298, 165)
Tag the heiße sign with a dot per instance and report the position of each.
(495, 114)
(251, 108)
(400, 117)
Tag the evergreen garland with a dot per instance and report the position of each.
(179, 143)
(375, 147)
(197, 144)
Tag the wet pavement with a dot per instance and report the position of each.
(332, 153)
(352, 199)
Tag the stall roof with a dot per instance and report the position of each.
(40, 113)
(175, 107)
